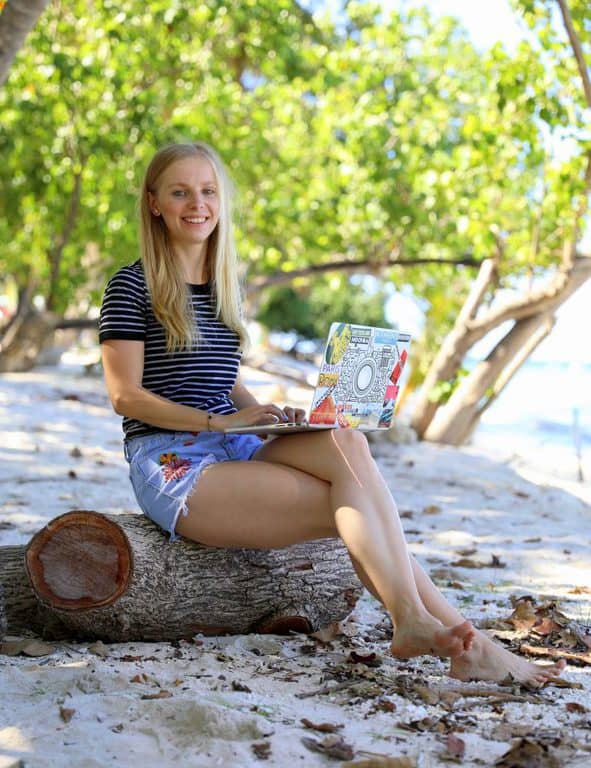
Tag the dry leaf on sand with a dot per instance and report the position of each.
(322, 727)
(467, 562)
(455, 746)
(99, 649)
(346, 628)
(369, 659)
(67, 714)
(527, 753)
(159, 695)
(382, 762)
(331, 746)
(27, 647)
(262, 749)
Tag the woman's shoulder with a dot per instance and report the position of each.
(130, 273)
(129, 278)
(127, 285)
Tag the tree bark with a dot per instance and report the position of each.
(577, 48)
(433, 421)
(460, 414)
(16, 21)
(3, 619)
(509, 371)
(20, 611)
(116, 577)
(24, 340)
(55, 254)
(453, 350)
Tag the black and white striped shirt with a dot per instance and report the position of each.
(202, 377)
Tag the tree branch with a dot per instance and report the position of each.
(16, 21)
(577, 49)
(346, 265)
(55, 254)
(535, 302)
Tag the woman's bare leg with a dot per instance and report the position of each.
(361, 506)
(485, 660)
(367, 520)
(245, 495)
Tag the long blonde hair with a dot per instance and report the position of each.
(171, 299)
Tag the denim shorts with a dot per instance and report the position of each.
(164, 467)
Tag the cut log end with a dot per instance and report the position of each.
(80, 560)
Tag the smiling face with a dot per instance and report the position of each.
(186, 196)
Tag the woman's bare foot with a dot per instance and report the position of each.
(430, 636)
(486, 660)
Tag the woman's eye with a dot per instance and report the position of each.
(179, 192)
(209, 191)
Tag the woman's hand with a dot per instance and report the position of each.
(267, 413)
(297, 415)
(262, 413)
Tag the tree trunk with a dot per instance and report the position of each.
(117, 578)
(433, 421)
(457, 418)
(24, 339)
(16, 21)
(532, 343)
(453, 350)
(20, 611)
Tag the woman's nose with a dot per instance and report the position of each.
(198, 199)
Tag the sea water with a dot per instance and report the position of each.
(543, 417)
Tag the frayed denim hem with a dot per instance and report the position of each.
(183, 508)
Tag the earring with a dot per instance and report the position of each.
(156, 212)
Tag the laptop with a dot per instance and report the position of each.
(358, 382)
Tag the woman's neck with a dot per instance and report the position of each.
(193, 263)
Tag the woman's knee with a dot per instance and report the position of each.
(352, 443)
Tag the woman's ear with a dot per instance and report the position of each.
(153, 205)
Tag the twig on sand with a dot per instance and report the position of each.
(328, 689)
(556, 653)
(496, 696)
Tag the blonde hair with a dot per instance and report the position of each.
(171, 299)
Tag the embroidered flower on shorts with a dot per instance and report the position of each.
(173, 467)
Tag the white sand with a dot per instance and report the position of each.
(82, 704)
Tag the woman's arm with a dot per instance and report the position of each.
(123, 363)
(241, 396)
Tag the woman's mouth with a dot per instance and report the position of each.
(195, 219)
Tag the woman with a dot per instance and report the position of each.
(171, 333)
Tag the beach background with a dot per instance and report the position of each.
(500, 524)
(491, 526)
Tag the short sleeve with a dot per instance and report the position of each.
(123, 311)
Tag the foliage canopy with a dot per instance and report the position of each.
(382, 138)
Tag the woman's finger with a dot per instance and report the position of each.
(299, 415)
(270, 413)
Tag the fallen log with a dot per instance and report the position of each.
(3, 619)
(20, 611)
(117, 578)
